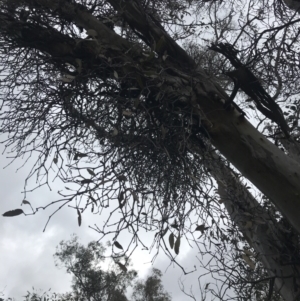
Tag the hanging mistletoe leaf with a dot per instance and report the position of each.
(91, 172)
(201, 228)
(86, 181)
(121, 196)
(24, 202)
(177, 245)
(120, 199)
(14, 212)
(171, 240)
(79, 217)
(118, 245)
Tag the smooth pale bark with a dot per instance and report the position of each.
(262, 232)
(275, 174)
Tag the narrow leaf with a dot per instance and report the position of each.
(13, 212)
(177, 245)
(118, 245)
(201, 228)
(121, 196)
(91, 172)
(25, 203)
(171, 240)
(86, 181)
(79, 217)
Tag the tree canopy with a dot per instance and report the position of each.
(178, 117)
(93, 282)
(90, 280)
(151, 289)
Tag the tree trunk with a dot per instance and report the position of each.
(262, 232)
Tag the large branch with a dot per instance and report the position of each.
(268, 168)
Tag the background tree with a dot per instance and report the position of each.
(150, 289)
(90, 281)
(124, 115)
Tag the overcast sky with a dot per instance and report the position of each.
(26, 259)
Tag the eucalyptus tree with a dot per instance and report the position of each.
(131, 121)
